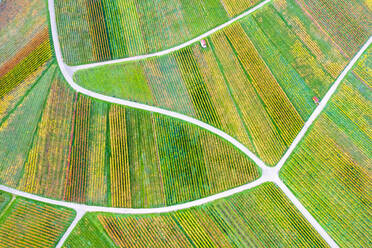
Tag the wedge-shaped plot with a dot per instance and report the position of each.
(75, 148)
(330, 170)
(18, 128)
(258, 79)
(92, 31)
(5, 198)
(23, 28)
(259, 217)
(25, 50)
(27, 223)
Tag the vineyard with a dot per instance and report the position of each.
(4, 200)
(74, 148)
(26, 223)
(92, 31)
(337, 20)
(255, 218)
(331, 169)
(256, 80)
(25, 50)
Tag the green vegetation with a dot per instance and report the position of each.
(130, 83)
(330, 170)
(75, 148)
(256, 80)
(92, 31)
(4, 200)
(25, 50)
(22, 23)
(260, 217)
(19, 128)
(27, 223)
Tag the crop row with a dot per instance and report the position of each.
(330, 171)
(25, 50)
(261, 217)
(26, 223)
(21, 22)
(78, 149)
(338, 21)
(93, 31)
(258, 80)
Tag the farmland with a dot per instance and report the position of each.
(255, 218)
(256, 79)
(330, 171)
(92, 31)
(26, 223)
(78, 149)
(25, 50)
(124, 174)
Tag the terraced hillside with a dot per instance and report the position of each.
(330, 171)
(93, 31)
(256, 80)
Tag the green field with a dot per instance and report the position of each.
(21, 23)
(260, 217)
(92, 31)
(75, 148)
(255, 81)
(330, 170)
(4, 200)
(24, 47)
(27, 223)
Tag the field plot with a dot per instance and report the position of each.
(4, 200)
(330, 171)
(23, 27)
(27, 223)
(256, 80)
(260, 217)
(75, 148)
(24, 47)
(92, 31)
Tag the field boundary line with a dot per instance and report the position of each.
(306, 214)
(170, 50)
(90, 208)
(268, 174)
(319, 109)
(7, 206)
(66, 234)
(68, 76)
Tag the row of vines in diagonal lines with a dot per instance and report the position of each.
(92, 30)
(78, 149)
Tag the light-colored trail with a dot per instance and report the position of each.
(68, 76)
(268, 174)
(72, 69)
(79, 215)
(306, 214)
(87, 208)
(321, 106)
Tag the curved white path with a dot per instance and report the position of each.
(67, 73)
(87, 208)
(72, 69)
(322, 105)
(268, 174)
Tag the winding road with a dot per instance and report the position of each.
(269, 174)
